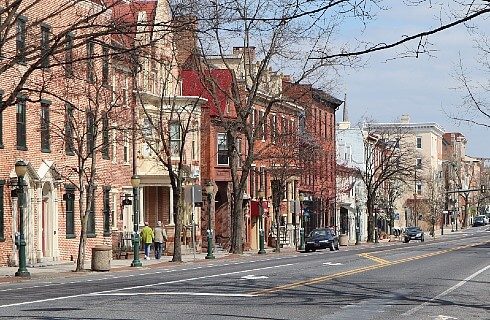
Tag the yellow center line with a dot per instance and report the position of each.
(376, 259)
(382, 263)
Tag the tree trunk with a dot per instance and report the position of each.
(237, 225)
(177, 256)
(278, 229)
(81, 243)
(370, 208)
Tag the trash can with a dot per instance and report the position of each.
(101, 258)
(343, 240)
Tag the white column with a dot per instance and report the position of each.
(54, 205)
(140, 206)
(171, 204)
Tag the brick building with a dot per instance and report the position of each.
(75, 114)
(317, 128)
(57, 121)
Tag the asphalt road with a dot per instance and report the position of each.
(446, 278)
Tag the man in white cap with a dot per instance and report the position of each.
(160, 238)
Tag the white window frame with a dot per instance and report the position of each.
(417, 140)
(220, 138)
(173, 139)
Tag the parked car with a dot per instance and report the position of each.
(413, 233)
(322, 238)
(479, 221)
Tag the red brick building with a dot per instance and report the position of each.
(318, 133)
(61, 118)
(79, 107)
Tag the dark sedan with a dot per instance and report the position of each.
(413, 233)
(479, 221)
(321, 238)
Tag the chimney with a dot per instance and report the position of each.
(185, 39)
(248, 53)
(405, 118)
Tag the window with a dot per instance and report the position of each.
(21, 124)
(419, 142)
(113, 209)
(263, 125)
(274, 128)
(125, 147)
(90, 132)
(21, 39)
(302, 123)
(114, 143)
(1, 119)
(419, 187)
(90, 62)
(325, 125)
(107, 211)
(45, 143)
(45, 29)
(105, 66)
(91, 213)
(2, 223)
(69, 55)
(69, 198)
(222, 149)
(125, 91)
(175, 138)
(251, 181)
(419, 163)
(69, 148)
(105, 136)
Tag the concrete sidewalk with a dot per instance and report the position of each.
(56, 269)
(63, 269)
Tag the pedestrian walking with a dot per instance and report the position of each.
(160, 239)
(147, 239)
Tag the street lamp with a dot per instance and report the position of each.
(358, 223)
(135, 183)
(209, 191)
(261, 195)
(302, 226)
(20, 171)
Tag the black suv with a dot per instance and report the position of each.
(322, 238)
(413, 233)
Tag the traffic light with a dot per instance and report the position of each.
(483, 188)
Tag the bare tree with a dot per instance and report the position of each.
(283, 157)
(292, 35)
(434, 199)
(81, 126)
(388, 159)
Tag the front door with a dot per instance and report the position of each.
(46, 224)
(43, 227)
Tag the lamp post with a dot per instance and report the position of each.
(376, 224)
(209, 191)
(135, 183)
(302, 225)
(295, 238)
(20, 170)
(261, 195)
(358, 223)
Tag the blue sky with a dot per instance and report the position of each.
(424, 87)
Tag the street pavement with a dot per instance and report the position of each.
(55, 269)
(442, 278)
